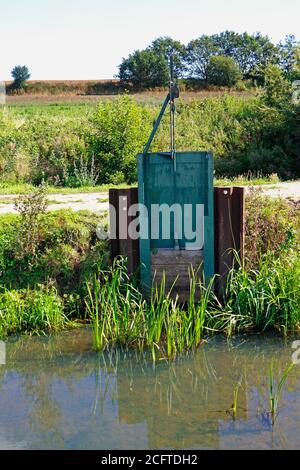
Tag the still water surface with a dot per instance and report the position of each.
(56, 393)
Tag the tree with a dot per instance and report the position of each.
(166, 46)
(295, 72)
(277, 90)
(144, 69)
(20, 74)
(287, 50)
(251, 52)
(198, 55)
(223, 71)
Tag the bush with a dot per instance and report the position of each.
(223, 71)
(62, 251)
(74, 146)
(120, 129)
(277, 90)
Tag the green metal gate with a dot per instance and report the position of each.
(186, 179)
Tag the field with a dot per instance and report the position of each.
(74, 141)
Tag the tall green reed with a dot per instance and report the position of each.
(275, 391)
(120, 315)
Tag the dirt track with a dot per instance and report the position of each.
(98, 202)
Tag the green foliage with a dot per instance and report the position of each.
(251, 52)
(144, 69)
(63, 250)
(289, 56)
(120, 315)
(85, 174)
(277, 90)
(199, 53)
(119, 131)
(275, 390)
(20, 74)
(265, 297)
(31, 310)
(79, 146)
(166, 46)
(223, 71)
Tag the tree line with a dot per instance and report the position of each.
(221, 59)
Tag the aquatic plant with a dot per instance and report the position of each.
(275, 392)
(120, 315)
(264, 297)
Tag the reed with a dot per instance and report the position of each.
(258, 299)
(121, 316)
(267, 297)
(276, 389)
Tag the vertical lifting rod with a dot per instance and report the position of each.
(170, 98)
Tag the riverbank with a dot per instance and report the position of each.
(55, 271)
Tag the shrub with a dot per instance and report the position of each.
(277, 90)
(120, 131)
(63, 251)
(223, 71)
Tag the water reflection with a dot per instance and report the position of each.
(55, 392)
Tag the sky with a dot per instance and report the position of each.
(87, 39)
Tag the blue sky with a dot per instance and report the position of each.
(86, 39)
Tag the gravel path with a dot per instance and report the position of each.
(98, 202)
(285, 190)
(95, 202)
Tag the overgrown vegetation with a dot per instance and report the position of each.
(53, 268)
(267, 297)
(32, 310)
(99, 146)
(45, 261)
(262, 293)
(122, 316)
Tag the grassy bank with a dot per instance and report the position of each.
(53, 269)
(46, 258)
(260, 299)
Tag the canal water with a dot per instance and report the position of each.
(56, 393)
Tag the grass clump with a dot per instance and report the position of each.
(264, 297)
(121, 316)
(31, 310)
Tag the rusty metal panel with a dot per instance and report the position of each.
(121, 200)
(229, 230)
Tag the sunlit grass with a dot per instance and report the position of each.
(31, 310)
